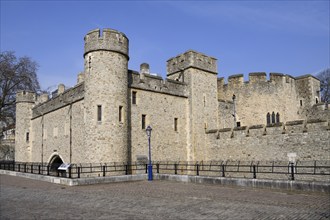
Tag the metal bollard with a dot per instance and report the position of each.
(254, 172)
(197, 169)
(175, 169)
(223, 170)
(103, 170)
(78, 172)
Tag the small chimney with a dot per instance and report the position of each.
(61, 89)
(44, 97)
(81, 77)
(144, 68)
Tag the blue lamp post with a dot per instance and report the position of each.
(148, 130)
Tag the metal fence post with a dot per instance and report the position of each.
(223, 170)
(292, 171)
(69, 171)
(157, 166)
(197, 169)
(39, 169)
(25, 168)
(47, 170)
(103, 170)
(126, 169)
(146, 168)
(175, 169)
(78, 172)
(254, 172)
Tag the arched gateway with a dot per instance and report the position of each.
(55, 162)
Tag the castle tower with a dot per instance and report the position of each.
(199, 71)
(24, 103)
(106, 68)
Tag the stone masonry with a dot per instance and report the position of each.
(194, 115)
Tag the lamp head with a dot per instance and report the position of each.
(148, 130)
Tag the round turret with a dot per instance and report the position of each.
(25, 101)
(108, 40)
(106, 91)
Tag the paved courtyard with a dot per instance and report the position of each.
(22, 198)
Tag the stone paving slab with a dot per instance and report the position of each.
(22, 198)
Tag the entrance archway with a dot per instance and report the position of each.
(55, 162)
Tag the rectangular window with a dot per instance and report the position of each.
(99, 113)
(144, 121)
(175, 124)
(238, 124)
(134, 98)
(120, 113)
(27, 136)
(301, 103)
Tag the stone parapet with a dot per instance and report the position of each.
(156, 84)
(26, 96)
(66, 98)
(193, 59)
(108, 39)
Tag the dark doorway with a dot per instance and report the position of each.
(55, 162)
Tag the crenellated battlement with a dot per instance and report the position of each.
(26, 96)
(193, 59)
(257, 78)
(65, 98)
(156, 84)
(290, 127)
(108, 39)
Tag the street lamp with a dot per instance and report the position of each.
(148, 130)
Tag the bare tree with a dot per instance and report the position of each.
(324, 77)
(15, 74)
(7, 152)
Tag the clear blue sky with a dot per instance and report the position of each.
(290, 37)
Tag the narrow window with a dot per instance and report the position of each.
(134, 98)
(99, 113)
(273, 117)
(317, 101)
(238, 124)
(143, 121)
(120, 113)
(175, 124)
(27, 137)
(277, 118)
(300, 102)
(268, 118)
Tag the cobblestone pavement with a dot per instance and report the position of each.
(22, 198)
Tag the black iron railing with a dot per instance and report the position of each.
(302, 170)
(268, 169)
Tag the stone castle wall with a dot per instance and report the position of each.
(308, 140)
(51, 123)
(257, 97)
(160, 111)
